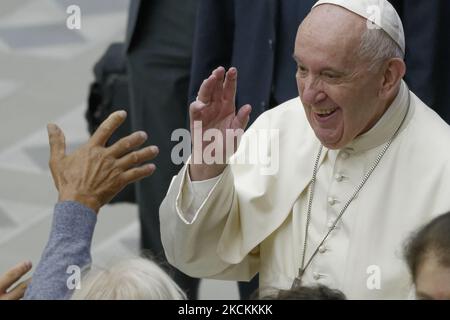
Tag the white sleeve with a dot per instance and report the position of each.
(194, 195)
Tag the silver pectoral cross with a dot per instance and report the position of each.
(298, 280)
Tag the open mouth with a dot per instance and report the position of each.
(326, 113)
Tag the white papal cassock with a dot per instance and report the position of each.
(244, 222)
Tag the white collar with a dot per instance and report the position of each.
(385, 128)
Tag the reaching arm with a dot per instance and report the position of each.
(86, 180)
(69, 245)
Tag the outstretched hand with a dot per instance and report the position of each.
(8, 279)
(93, 174)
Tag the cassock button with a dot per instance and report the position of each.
(339, 177)
(331, 201)
(344, 155)
(322, 249)
(330, 224)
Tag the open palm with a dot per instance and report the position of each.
(215, 109)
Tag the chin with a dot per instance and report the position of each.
(330, 138)
(330, 143)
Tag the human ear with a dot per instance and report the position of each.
(393, 73)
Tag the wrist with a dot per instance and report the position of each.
(88, 201)
(201, 172)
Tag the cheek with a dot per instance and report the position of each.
(353, 113)
(300, 85)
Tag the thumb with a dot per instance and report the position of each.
(242, 118)
(57, 141)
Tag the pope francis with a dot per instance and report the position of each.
(362, 163)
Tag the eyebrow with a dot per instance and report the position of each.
(327, 69)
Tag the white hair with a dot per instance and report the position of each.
(377, 46)
(132, 279)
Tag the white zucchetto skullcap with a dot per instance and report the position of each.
(379, 12)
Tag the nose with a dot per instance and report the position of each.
(311, 91)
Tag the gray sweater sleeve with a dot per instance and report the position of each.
(69, 245)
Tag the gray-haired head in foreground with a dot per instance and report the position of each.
(132, 279)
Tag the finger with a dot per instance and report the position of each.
(229, 86)
(57, 142)
(18, 292)
(195, 110)
(206, 90)
(127, 144)
(217, 95)
(139, 173)
(242, 118)
(137, 157)
(14, 274)
(107, 128)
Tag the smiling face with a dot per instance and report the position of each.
(339, 94)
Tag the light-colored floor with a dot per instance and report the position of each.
(45, 72)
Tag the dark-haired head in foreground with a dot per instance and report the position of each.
(428, 256)
(306, 293)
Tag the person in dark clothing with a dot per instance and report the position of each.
(257, 37)
(426, 26)
(158, 53)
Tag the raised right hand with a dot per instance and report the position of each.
(215, 109)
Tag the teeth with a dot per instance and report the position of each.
(325, 112)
